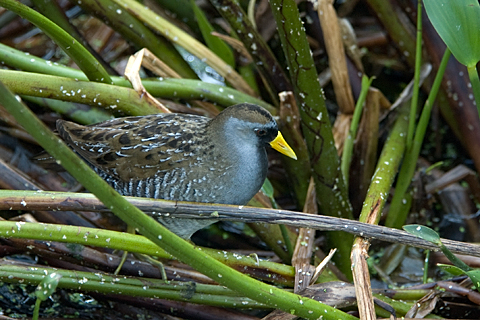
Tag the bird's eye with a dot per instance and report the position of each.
(260, 132)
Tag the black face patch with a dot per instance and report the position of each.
(270, 136)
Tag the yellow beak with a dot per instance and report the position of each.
(282, 146)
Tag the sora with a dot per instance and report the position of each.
(182, 157)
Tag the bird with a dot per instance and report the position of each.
(182, 157)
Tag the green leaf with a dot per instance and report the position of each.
(430, 235)
(48, 286)
(457, 262)
(423, 232)
(267, 188)
(456, 271)
(214, 43)
(458, 24)
(473, 274)
(475, 277)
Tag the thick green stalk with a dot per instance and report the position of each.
(120, 97)
(330, 187)
(400, 207)
(387, 168)
(183, 250)
(97, 94)
(84, 59)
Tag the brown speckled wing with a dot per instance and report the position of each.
(138, 147)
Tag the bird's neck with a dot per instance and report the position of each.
(248, 161)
